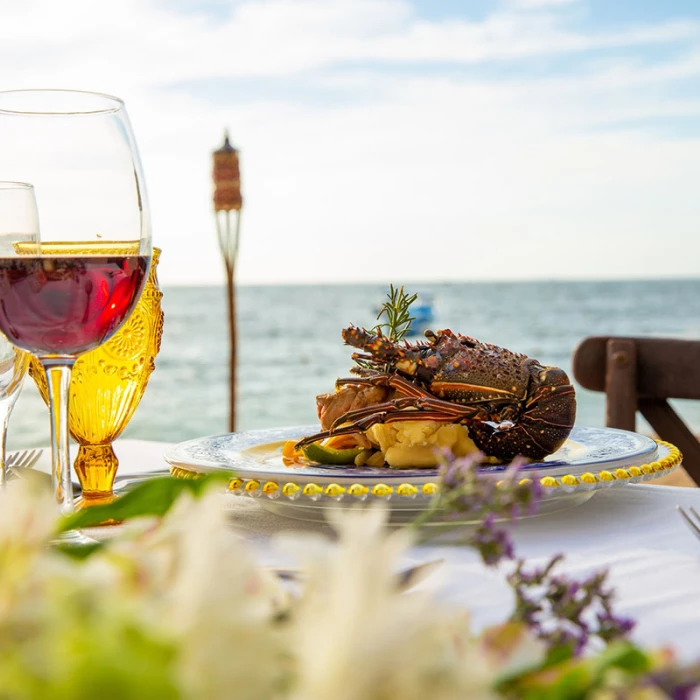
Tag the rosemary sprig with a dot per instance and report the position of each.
(398, 324)
(397, 314)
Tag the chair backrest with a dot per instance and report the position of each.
(666, 368)
(640, 374)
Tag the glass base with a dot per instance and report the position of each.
(96, 466)
(89, 500)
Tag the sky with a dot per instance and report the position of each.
(398, 140)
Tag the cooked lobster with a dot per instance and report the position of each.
(510, 403)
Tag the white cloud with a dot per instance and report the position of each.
(144, 44)
(427, 176)
(537, 4)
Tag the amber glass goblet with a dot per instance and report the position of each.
(106, 386)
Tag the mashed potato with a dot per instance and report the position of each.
(414, 443)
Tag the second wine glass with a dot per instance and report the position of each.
(72, 288)
(18, 223)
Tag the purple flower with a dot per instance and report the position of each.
(613, 627)
(565, 613)
(492, 542)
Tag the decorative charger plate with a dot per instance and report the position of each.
(591, 459)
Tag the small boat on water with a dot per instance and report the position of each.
(423, 313)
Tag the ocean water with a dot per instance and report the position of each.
(290, 347)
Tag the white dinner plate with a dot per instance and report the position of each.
(591, 459)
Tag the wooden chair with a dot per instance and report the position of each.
(640, 374)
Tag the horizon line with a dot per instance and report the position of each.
(423, 283)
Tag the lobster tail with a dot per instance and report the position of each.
(506, 444)
(544, 424)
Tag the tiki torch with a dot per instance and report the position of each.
(227, 209)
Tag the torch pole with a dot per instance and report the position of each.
(230, 276)
(227, 199)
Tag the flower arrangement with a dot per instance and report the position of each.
(175, 606)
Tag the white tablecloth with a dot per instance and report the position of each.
(633, 530)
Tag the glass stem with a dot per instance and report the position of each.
(5, 410)
(58, 372)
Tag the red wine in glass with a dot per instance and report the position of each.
(53, 305)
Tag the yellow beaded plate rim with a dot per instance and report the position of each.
(669, 457)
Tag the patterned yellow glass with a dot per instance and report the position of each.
(106, 386)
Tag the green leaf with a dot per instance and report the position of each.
(79, 551)
(561, 677)
(558, 655)
(153, 497)
(622, 655)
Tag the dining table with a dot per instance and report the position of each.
(634, 531)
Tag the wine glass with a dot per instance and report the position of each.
(18, 222)
(71, 288)
(13, 367)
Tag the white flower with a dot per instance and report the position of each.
(199, 582)
(357, 638)
(27, 522)
(28, 515)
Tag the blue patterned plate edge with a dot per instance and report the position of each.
(587, 449)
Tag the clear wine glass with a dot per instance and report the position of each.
(18, 222)
(13, 368)
(70, 289)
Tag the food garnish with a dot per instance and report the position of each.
(316, 452)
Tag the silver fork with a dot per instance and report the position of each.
(25, 459)
(693, 524)
(405, 580)
(18, 465)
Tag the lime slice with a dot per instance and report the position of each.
(315, 452)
